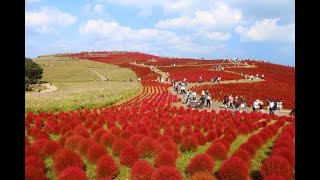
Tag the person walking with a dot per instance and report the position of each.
(231, 101)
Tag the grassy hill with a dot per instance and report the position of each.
(80, 85)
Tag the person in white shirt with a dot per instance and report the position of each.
(194, 95)
(231, 101)
(271, 107)
(255, 105)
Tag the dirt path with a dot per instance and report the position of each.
(154, 69)
(215, 105)
(50, 88)
(102, 77)
(183, 65)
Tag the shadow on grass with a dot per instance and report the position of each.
(255, 174)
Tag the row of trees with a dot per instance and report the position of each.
(32, 72)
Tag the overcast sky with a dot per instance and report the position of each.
(180, 28)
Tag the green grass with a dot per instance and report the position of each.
(262, 154)
(68, 70)
(54, 137)
(31, 140)
(184, 159)
(49, 165)
(77, 87)
(90, 169)
(124, 173)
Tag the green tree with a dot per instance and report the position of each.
(26, 83)
(32, 70)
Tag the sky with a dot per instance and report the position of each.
(179, 28)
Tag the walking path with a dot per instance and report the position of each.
(102, 77)
(215, 105)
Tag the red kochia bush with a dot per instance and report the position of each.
(249, 147)
(199, 163)
(177, 138)
(128, 155)
(49, 148)
(201, 138)
(107, 139)
(65, 158)
(211, 136)
(73, 141)
(286, 153)
(34, 161)
(32, 172)
(84, 145)
(106, 167)
(115, 130)
(166, 173)
(276, 165)
(135, 139)
(148, 147)
(243, 154)
(274, 177)
(31, 150)
(97, 134)
(256, 141)
(72, 173)
(189, 143)
(105, 178)
(234, 169)
(171, 147)
(141, 170)
(117, 146)
(243, 129)
(202, 176)
(165, 158)
(94, 152)
(217, 151)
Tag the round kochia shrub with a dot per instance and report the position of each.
(243, 154)
(135, 139)
(200, 163)
(201, 138)
(128, 155)
(286, 153)
(84, 145)
(94, 152)
(34, 161)
(217, 151)
(106, 167)
(73, 141)
(234, 169)
(171, 147)
(166, 173)
(97, 134)
(107, 139)
(65, 158)
(249, 147)
(165, 158)
(50, 147)
(73, 173)
(189, 143)
(256, 141)
(274, 177)
(117, 146)
(141, 170)
(276, 165)
(202, 176)
(32, 172)
(148, 147)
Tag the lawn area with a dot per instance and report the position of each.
(78, 86)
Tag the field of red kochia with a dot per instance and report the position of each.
(128, 135)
